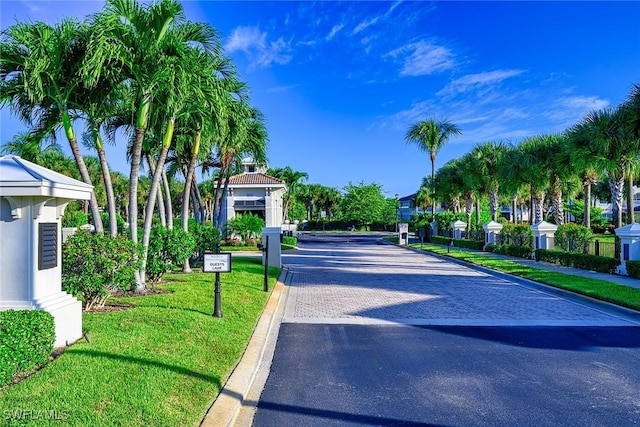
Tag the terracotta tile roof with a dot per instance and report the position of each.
(253, 178)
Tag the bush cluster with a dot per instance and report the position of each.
(290, 240)
(74, 219)
(573, 238)
(95, 265)
(578, 260)
(26, 341)
(633, 269)
(516, 235)
(168, 250)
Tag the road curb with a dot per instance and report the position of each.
(238, 398)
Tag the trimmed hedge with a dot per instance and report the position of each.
(511, 250)
(633, 269)
(469, 243)
(440, 240)
(461, 243)
(290, 240)
(578, 260)
(26, 341)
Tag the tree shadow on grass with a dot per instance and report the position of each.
(146, 362)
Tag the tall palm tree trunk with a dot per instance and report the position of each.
(493, 204)
(111, 199)
(161, 205)
(186, 192)
(616, 186)
(84, 172)
(556, 200)
(586, 188)
(148, 218)
(168, 203)
(630, 203)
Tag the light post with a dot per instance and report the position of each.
(397, 211)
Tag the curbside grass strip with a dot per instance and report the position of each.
(238, 398)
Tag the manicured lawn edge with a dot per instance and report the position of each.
(161, 362)
(615, 293)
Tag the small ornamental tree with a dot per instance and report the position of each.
(168, 249)
(96, 265)
(247, 226)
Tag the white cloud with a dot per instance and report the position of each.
(254, 44)
(477, 81)
(334, 31)
(583, 103)
(423, 58)
(364, 24)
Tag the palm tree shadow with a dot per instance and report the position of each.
(146, 362)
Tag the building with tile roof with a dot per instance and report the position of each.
(256, 192)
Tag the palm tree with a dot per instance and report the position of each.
(430, 136)
(535, 156)
(584, 165)
(292, 179)
(449, 184)
(488, 157)
(602, 136)
(143, 40)
(631, 125)
(39, 74)
(511, 172)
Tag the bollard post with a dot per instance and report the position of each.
(217, 310)
(266, 264)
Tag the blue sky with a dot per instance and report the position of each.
(341, 82)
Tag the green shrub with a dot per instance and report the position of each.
(96, 265)
(26, 341)
(633, 269)
(247, 226)
(104, 216)
(441, 240)
(516, 235)
(206, 236)
(469, 243)
(74, 219)
(490, 247)
(290, 240)
(573, 237)
(513, 250)
(168, 249)
(578, 260)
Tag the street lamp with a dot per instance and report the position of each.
(397, 211)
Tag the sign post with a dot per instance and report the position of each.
(217, 263)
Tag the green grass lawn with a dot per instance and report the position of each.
(599, 289)
(161, 362)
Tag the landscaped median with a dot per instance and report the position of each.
(599, 289)
(153, 360)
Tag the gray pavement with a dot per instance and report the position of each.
(353, 282)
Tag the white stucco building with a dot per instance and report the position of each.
(256, 192)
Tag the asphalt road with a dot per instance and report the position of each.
(376, 335)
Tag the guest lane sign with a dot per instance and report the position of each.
(217, 263)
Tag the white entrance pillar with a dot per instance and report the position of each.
(544, 235)
(491, 231)
(271, 242)
(32, 202)
(458, 227)
(629, 245)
